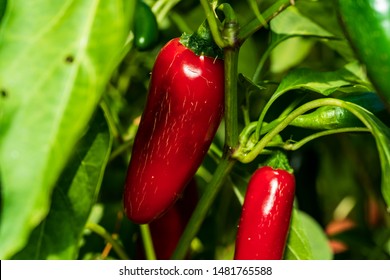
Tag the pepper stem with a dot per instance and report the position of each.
(201, 42)
(279, 160)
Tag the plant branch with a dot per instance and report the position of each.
(214, 24)
(99, 230)
(147, 242)
(231, 106)
(255, 24)
(199, 214)
(245, 156)
(292, 146)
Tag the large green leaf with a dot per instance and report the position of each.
(55, 60)
(298, 245)
(292, 22)
(58, 236)
(293, 37)
(381, 134)
(306, 239)
(317, 238)
(324, 83)
(3, 5)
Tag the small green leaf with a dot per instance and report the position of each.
(58, 236)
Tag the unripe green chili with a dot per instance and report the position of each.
(146, 31)
(333, 117)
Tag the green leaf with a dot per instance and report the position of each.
(249, 86)
(315, 19)
(318, 241)
(381, 134)
(3, 5)
(324, 83)
(298, 245)
(289, 51)
(293, 37)
(58, 236)
(292, 22)
(55, 60)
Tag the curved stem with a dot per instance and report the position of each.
(161, 9)
(148, 242)
(125, 147)
(248, 156)
(295, 146)
(254, 6)
(105, 235)
(228, 12)
(199, 214)
(214, 24)
(110, 120)
(263, 112)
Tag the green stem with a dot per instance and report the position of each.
(230, 15)
(251, 127)
(254, 25)
(214, 24)
(162, 7)
(295, 146)
(123, 148)
(99, 230)
(264, 111)
(147, 242)
(255, 8)
(231, 106)
(226, 39)
(247, 156)
(111, 121)
(245, 114)
(180, 22)
(199, 214)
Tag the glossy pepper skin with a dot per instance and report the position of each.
(183, 111)
(146, 30)
(265, 216)
(367, 26)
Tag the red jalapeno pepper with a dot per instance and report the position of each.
(183, 111)
(266, 214)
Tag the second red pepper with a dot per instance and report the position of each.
(265, 217)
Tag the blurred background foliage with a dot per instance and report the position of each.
(338, 177)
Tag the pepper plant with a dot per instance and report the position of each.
(296, 79)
